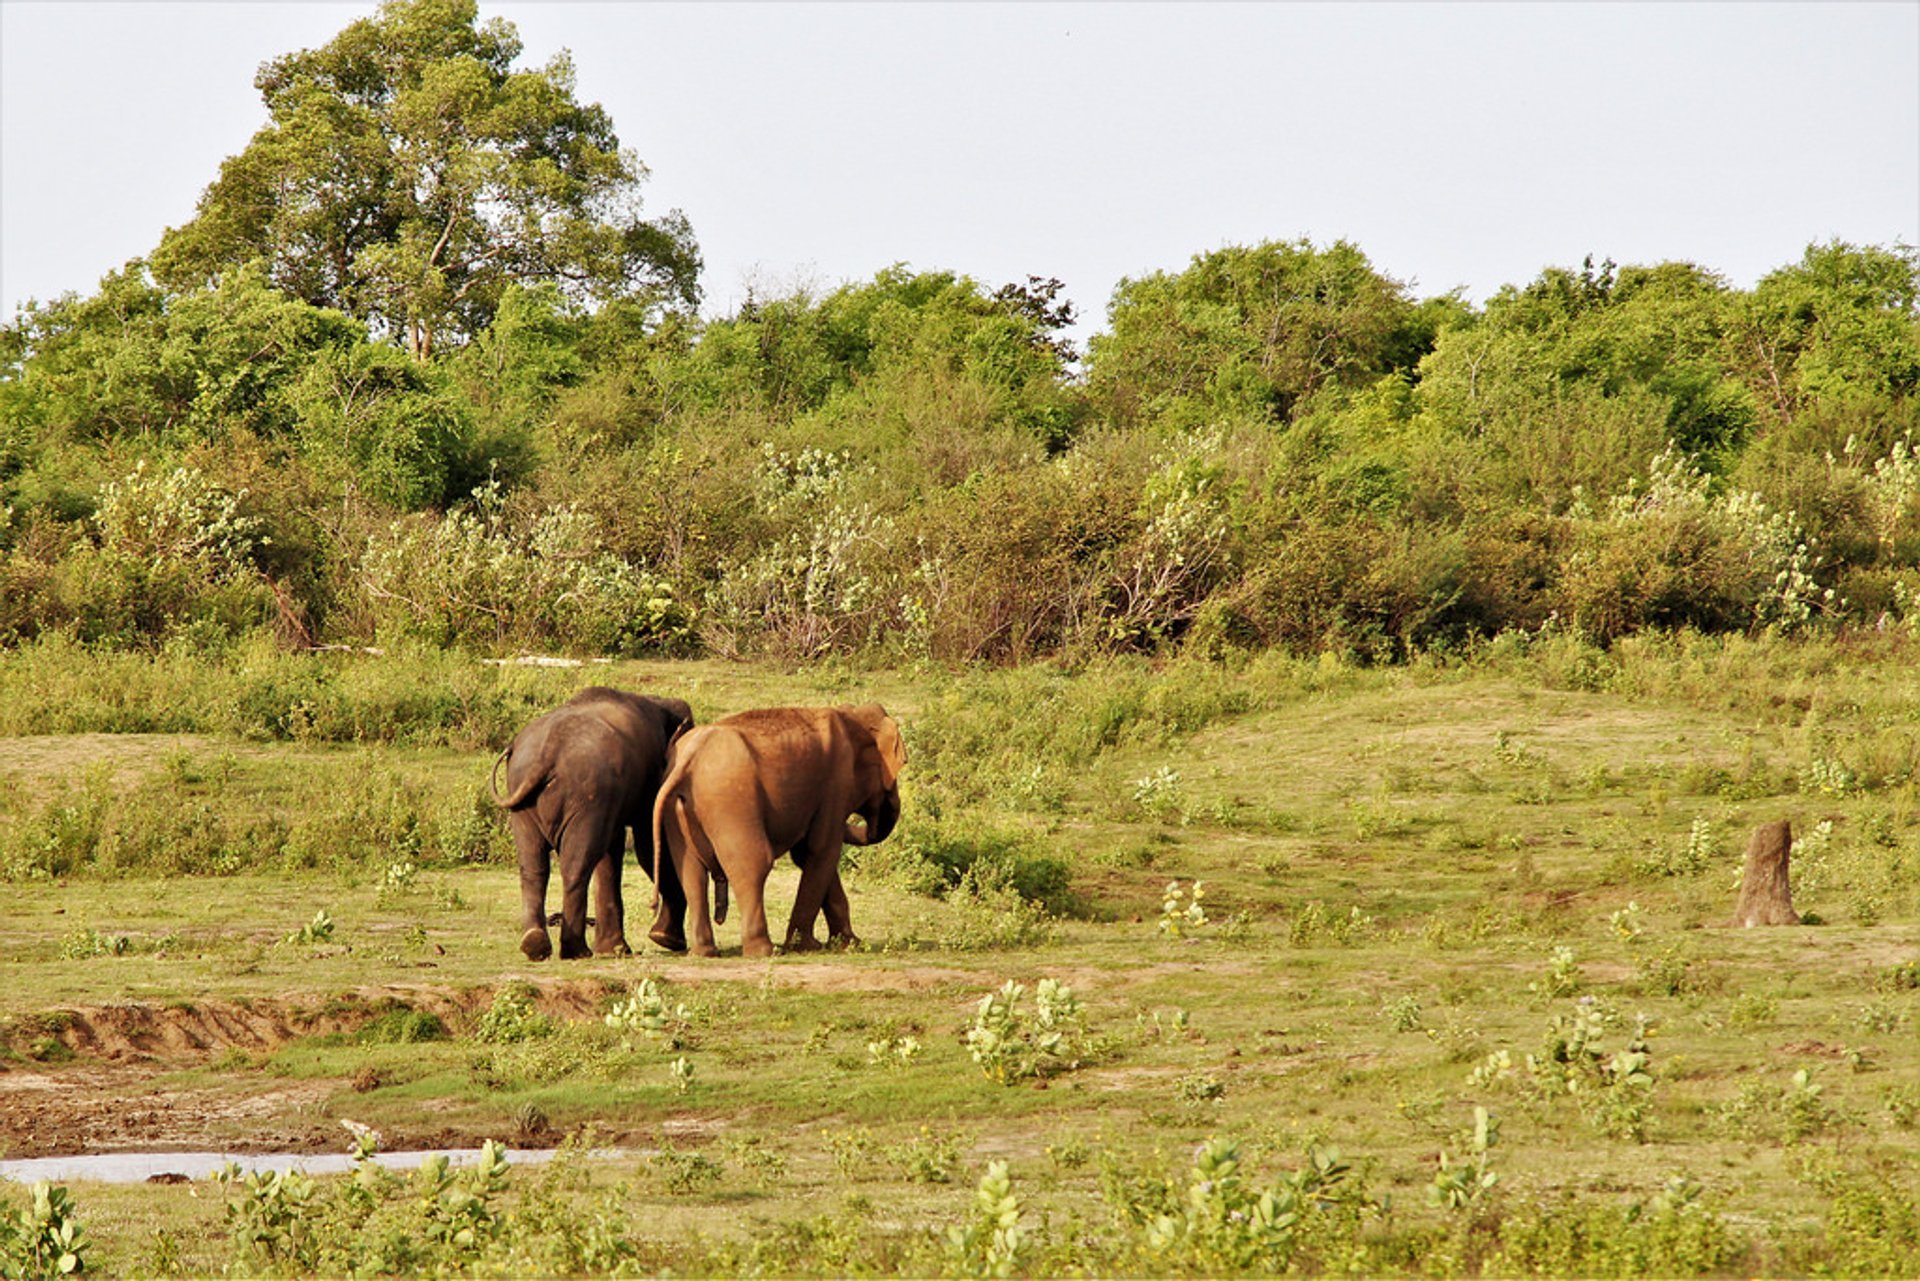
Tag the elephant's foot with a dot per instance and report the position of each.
(798, 942)
(536, 944)
(703, 949)
(617, 947)
(844, 942)
(757, 948)
(574, 949)
(672, 940)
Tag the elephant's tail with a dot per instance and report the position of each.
(531, 784)
(493, 778)
(669, 794)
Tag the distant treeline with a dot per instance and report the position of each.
(269, 423)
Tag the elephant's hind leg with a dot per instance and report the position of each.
(531, 846)
(582, 845)
(609, 908)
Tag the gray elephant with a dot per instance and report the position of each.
(578, 779)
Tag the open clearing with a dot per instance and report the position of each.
(1413, 881)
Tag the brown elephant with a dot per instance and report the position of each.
(744, 790)
(578, 778)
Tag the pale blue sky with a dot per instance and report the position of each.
(1458, 144)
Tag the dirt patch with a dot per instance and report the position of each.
(120, 1108)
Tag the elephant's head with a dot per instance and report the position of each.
(676, 715)
(877, 775)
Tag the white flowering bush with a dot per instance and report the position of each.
(178, 515)
(471, 577)
(1163, 575)
(829, 576)
(1676, 550)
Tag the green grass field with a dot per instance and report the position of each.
(1497, 883)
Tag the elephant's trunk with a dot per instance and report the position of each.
(880, 817)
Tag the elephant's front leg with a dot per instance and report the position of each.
(839, 914)
(609, 908)
(819, 888)
(531, 846)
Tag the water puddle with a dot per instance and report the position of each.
(171, 1167)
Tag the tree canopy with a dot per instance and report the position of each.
(409, 175)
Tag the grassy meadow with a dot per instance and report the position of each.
(1458, 995)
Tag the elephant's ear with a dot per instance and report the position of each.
(887, 739)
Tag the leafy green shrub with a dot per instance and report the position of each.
(512, 1017)
(1222, 1222)
(43, 1238)
(1012, 1044)
(937, 856)
(399, 1024)
(1871, 1228)
(1673, 1233)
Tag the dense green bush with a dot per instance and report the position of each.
(1276, 447)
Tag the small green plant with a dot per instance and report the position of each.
(927, 1157)
(512, 1017)
(681, 1071)
(1691, 859)
(82, 943)
(893, 1051)
(1881, 1016)
(1669, 973)
(1563, 974)
(398, 879)
(1627, 923)
(1903, 976)
(1225, 1224)
(645, 1012)
(267, 1214)
(751, 1153)
(1803, 1110)
(1181, 913)
(991, 1242)
(1612, 1090)
(42, 1238)
(1466, 1178)
(1011, 1043)
(1829, 776)
(1403, 1013)
(1159, 795)
(851, 1150)
(318, 930)
(1314, 925)
(1069, 1154)
(1751, 1011)
(1199, 1088)
(684, 1173)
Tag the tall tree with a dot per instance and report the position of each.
(1251, 331)
(409, 175)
